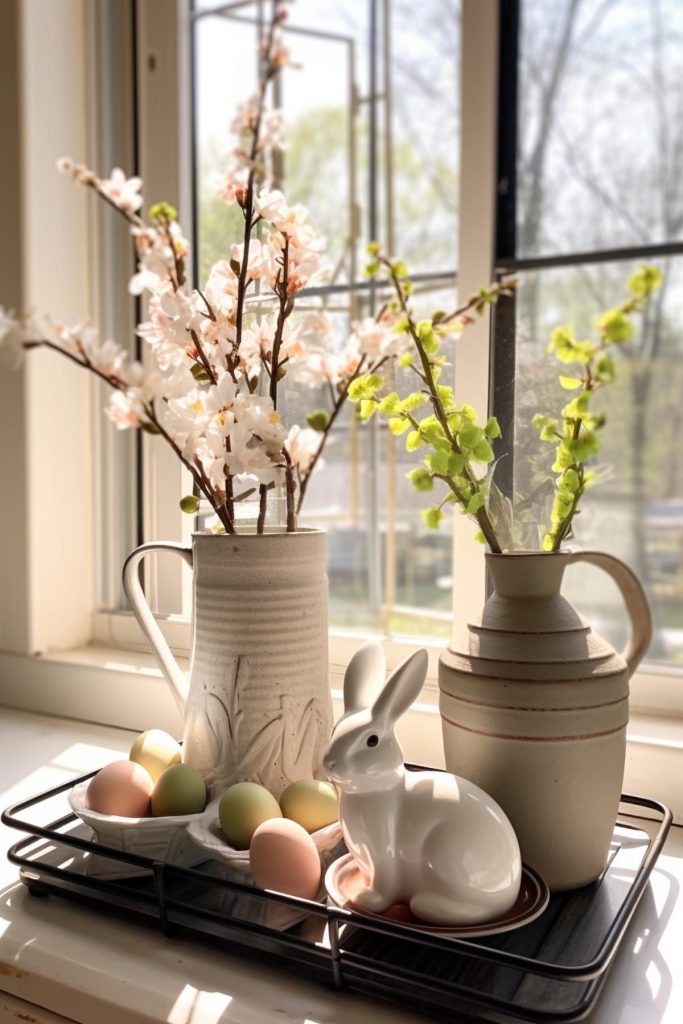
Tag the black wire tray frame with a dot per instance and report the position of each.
(336, 964)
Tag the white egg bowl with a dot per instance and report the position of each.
(164, 839)
(205, 831)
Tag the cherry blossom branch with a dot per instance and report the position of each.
(85, 364)
(286, 306)
(290, 492)
(195, 469)
(203, 358)
(266, 73)
(262, 507)
(118, 384)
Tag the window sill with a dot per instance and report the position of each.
(655, 689)
(103, 685)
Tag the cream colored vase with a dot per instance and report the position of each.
(257, 704)
(534, 708)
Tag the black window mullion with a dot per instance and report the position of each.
(507, 265)
(502, 341)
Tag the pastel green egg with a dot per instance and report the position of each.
(156, 751)
(311, 803)
(241, 810)
(178, 790)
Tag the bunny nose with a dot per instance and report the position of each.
(330, 764)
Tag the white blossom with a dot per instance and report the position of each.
(245, 116)
(261, 262)
(258, 340)
(173, 316)
(156, 259)
(234, 187)
(78, 172)
(319, 365)
(124, 411)
(124, 192)
(302, 445)
(248, 458)
(221, 287)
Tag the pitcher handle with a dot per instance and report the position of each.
(636, 602)
(148, 624)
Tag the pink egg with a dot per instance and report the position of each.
(284, 858)
(123, 788)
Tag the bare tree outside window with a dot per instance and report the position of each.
(600, 168)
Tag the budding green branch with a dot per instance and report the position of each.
(575, 433)
(457, 447)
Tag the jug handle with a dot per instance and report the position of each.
(148, 624)
(636, 602)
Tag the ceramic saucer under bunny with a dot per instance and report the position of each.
(344, 881)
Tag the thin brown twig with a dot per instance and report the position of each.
(337, 408)
(283, 312)
(290, 489)
(262, 507)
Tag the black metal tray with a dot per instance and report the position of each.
(550, 970)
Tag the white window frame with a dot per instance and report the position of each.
(59, 652)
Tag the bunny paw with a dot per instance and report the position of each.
(370, 899)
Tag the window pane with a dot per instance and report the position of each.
(387, 571)
(327, 164)
(601, 109)
(636, 513)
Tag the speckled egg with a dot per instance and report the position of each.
(156, 751)
(123, 788)
(179, 790)
(241, 810)
(283, 858)
(311, 803)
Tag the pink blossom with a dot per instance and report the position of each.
(377, 339)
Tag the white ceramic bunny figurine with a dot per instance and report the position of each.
(426, 838)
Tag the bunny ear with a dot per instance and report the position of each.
(401, 688)
(364, 676)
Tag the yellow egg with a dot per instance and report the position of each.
(156, 751)
(241, 810)
(283, 858)
(311, 803)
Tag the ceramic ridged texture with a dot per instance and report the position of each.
(259, 706)
(534, 709)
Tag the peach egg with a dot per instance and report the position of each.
(123, 788)
(283, 857)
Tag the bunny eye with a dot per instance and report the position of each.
(373, 740)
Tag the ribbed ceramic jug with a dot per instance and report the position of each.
(257, 706)
(534, 707)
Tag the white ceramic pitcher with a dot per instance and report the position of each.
(534, 707)
(257, 704)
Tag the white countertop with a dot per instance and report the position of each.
(91, 968)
